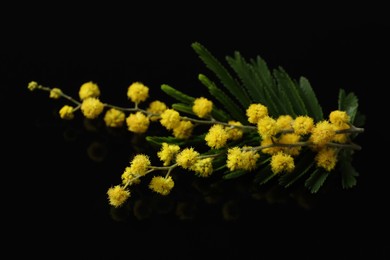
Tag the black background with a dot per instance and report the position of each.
(55, 195)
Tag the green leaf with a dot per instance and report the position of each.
(268, 86)
(246, 75)
(259, 89)
(232, 108)
(178, 95)
(233, 174)
(222, 73)
(348, 172)
(348, 175)
(310, 99)
(158, 140)
(349, 103)
(316, 180)
(219, 114)
(183, 108)
(263, 73)
(264, 175)
(302, 167)
(288, 86)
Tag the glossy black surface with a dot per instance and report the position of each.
(56, 195)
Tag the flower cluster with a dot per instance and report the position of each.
(276, 141)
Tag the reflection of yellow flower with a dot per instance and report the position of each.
(117, 195)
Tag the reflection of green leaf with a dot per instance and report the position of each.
(178, 95)
(349, 103)
(316, 180)
(310, 100)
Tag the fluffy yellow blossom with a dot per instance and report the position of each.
(117, 195)
(183, 130)
(303, 125)
(156, 107)
(216, 137)
(168, 153)
(234, 133)
(66, 112)
(341, 137)
(170, 118)
(237, 159)
(162, 185)
(187, 157)
(326, 158)
(32, 85)
(92, 107)
(290, 138)
(137, 92)
(114, 118)
(282, 162)
(89, 89)
(203, 167)
(202, 107)
(55, 93)
(128, 178)
(268, 143)
(267, 127)
(137, 122)
(322, 133)
(139, 165)
(284, 122)
(255, 112)
(339, 118)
